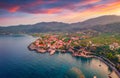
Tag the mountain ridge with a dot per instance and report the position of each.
(64, 27)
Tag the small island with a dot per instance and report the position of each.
(81, 44)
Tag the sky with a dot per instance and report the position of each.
(17, 12)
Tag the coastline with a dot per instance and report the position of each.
(110, 65)
(34, 48)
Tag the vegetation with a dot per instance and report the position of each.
(102, 45)
(104, 39)
(112, 55)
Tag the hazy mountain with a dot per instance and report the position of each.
(36, 28)
(109, 23)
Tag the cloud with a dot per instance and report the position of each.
(109, 8)
(43, 6)
(13, 9)
(53, 6)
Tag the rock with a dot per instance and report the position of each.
(41, 50)
(32, 47)
(52, 52)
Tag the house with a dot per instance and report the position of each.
(118, 57)
(114, 46)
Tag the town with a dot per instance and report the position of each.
(60, 43)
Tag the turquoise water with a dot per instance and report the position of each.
(16, 61)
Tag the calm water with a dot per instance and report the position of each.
(16, 61)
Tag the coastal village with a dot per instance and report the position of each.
(56, 43)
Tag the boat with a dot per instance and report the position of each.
(95, 77)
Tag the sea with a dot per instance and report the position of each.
(16, 61)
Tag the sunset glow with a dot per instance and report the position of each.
(15, 12)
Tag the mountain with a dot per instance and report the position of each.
(109, 23)
(103, 20)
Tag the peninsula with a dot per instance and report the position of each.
(60, 43)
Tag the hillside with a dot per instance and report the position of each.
(114, 28)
